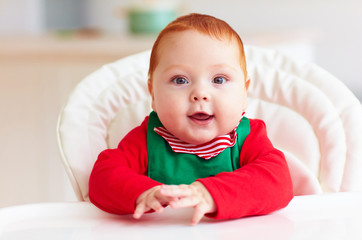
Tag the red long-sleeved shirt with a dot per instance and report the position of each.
(260, 186)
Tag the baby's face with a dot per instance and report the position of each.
(198, 90)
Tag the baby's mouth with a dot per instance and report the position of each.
(201, 118)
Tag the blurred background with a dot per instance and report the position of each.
(48, 46)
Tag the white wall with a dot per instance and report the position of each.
(21, 16)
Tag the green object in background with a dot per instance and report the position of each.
(150, 20)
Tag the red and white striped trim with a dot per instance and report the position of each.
(206, 150)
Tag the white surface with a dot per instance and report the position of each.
(329, 216)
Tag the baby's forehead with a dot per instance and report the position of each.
(170, 38)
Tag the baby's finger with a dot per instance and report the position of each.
(140, 210)
(199, 213)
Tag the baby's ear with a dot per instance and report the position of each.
(247, 83)
(149, 85)
(150, 90)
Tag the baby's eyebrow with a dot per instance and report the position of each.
(224, 66)
(175, 66)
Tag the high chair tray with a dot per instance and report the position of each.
(327, 216)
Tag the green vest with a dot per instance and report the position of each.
(169, 167)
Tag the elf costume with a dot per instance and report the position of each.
(248, 177)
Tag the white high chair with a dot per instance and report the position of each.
(310, 115)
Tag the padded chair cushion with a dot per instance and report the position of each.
(310, 115)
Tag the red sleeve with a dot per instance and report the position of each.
(262, 184)
(119, 175)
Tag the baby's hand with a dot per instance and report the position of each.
(194, 195)
(151, 199)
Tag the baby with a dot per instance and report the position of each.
(195, 149)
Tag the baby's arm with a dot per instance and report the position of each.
(119, 175)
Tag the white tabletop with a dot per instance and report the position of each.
(329, 216)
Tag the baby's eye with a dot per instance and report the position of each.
(219, 80)
(179, 80)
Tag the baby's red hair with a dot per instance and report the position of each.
(204, 24)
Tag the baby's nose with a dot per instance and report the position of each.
(200, 95)
(199, 98)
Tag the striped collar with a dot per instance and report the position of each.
(205, 150)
